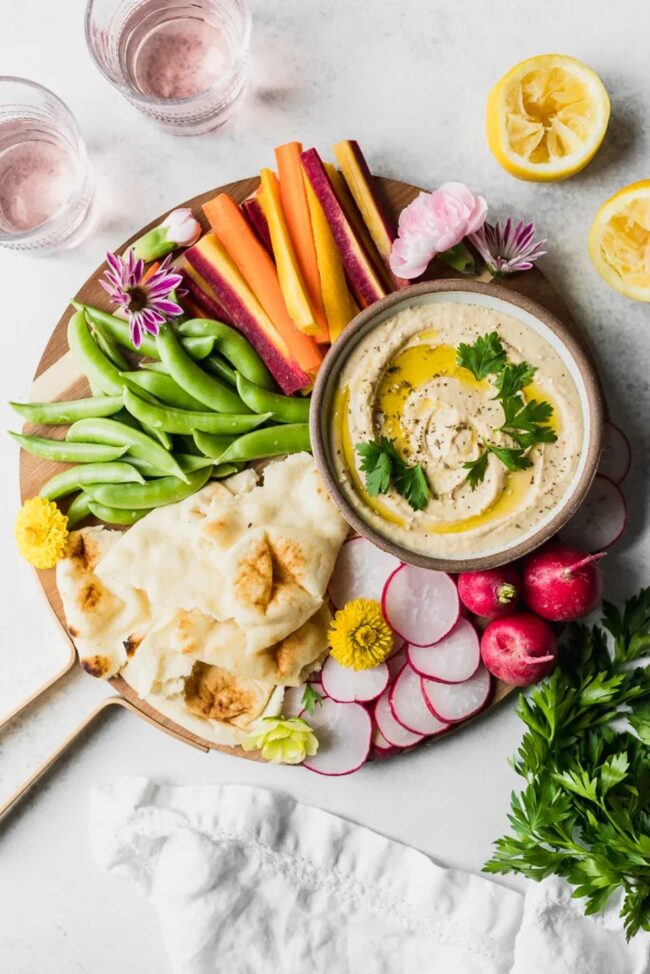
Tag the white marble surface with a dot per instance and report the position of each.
(409, 80)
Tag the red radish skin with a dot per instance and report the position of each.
(562, 584)
(492, 594)
(454, 659)
(419, 605)
(344, 732)
(520, 650)
(455, 702)
(601, 518)
(409, 705)
(394, 732)
(396, 662)
(616, 458)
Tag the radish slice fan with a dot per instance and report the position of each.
(409, 706)
(292, 704)
(458, 701)
(347, 686)
(361, 572)
(344, 732)
(389, 728)
(616, 457)
(600, 520)
(421, 606)
(380, 742)
(452, 660)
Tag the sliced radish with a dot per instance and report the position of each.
(457, 701)
(361, 571)
(409, 707)
(380, 742)
(420, 605)
(394, 732)
(344, 732)
(616, 457)
(600, 520)
(452, 660)
(396, 663)
(292, 704)
(347, 686)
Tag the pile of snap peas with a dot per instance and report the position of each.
(200, 405)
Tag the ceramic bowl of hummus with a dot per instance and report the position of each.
(457, 424)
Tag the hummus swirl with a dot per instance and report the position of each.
(402, 381)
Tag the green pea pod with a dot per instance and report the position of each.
(118, 330)
(213, 446)
(221, 470)
(219, 367)
(181, 421)
(273, 441)
(73, 478)
(62, 451)
(186, 461)
(283, 409)
(162, 387)
(134, 440)
(100, 371)
(78, 510)
(110, 349)
(155, 493)
(233, 346)
(65, 412)
(115, 515)
(210, 391)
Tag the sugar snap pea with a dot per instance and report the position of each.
(115, 515)
(269, 442)
(120, 434)
(283, 409)
(64, 452)
(124, 416)
(118, 329)
(182, 421)
(221, 470)
(100, 371)
(110, 349)
(65, 412)
(191, 377)
(186, 461)
(233, 346)
(219, 367)
(161, 386)
(73, 478)
(212, 446)
(78, 510)
(155, 493)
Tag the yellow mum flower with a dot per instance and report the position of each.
(282, 740)
(41, 532)
(359, 636)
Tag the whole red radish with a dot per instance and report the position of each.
(492, 593)
(562, 583)
(520, 649)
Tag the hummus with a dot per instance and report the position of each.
(402, 381)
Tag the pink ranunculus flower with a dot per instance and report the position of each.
(432, 223)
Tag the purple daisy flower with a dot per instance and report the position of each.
(509, 248)
(144, 301)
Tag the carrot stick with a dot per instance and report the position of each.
(297, 215)
(150, 271)
(258, 270)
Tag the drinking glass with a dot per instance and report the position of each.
(45, 181)
(181, 62)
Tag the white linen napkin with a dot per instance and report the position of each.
(252, 882)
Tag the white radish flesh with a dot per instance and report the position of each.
(292, 704)
(389, 728)
(360, 572)
(380, 742)
(457, 701)
(452, 660)
(600, 520)
(421, 606)
(409, 707)
(347, 686)
(344, 732)
(616, 457)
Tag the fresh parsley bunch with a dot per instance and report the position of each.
(524, 422)
(383, 466)
(585, 810)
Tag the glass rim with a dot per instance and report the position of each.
(151, 99)
(80, 148)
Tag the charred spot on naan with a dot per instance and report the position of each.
(130, 644)
(216, 694)
(98, 666)
(268, 572)
(91, 596)
(83, 551)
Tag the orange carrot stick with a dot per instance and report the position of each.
(150, 271)
(297, 215)
(258, 270)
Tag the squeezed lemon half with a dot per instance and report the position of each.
(619, 241)
(547, 117)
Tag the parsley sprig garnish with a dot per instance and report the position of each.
(384, 467)
(311, 698)
(585, 810)
(524, 422)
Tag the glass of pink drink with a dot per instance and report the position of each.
(45, 182)
(181, 62)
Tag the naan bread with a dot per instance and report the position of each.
(107, 623)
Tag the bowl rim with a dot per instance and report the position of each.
(319, 428)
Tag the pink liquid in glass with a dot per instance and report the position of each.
(36, 175)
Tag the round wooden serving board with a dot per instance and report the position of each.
(57, 378)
